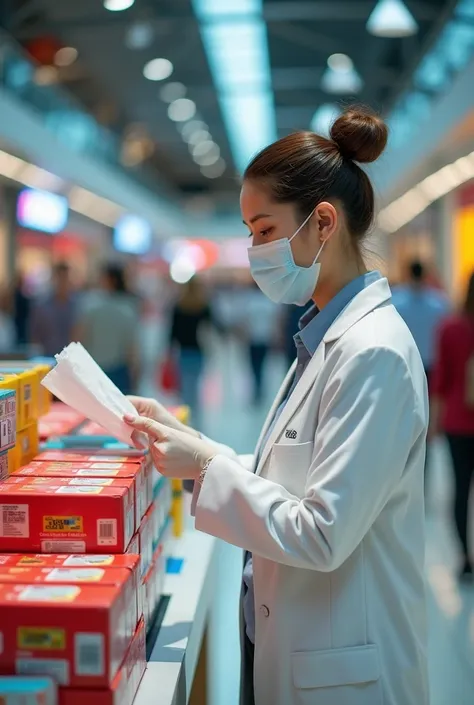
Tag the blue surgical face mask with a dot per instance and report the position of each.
(274, 270)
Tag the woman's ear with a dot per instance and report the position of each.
(326, 220)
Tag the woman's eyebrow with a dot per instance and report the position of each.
(258, 217)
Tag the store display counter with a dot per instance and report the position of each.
(175, 653)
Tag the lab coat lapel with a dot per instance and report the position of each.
(296, 399)
(278, 400)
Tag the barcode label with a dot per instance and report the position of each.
(14, 521)
(107, 532)
(89, 654)
(7, 433)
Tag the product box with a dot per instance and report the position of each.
(26, 448)
(28, 392)
(125, 685)
(126, 561)
(103, 474)
(7, 419)
(73, 633)
(52, 517)
(41, 367)
(102, 465)
(28, 690)
(145, 533)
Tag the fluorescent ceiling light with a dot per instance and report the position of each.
(213, 171)
(181, 110)
(237, 52)
(204, 148)
(118, 5)
(391, 18)
(139, 35)
(324, 117)
(172, 91)
(65, 56)
(158, 69)
(198, 136)
(340, 77)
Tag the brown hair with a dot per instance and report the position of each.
(305, 169)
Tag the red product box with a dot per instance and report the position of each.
(53, 517)
(73, 633)
(105, 474)
(126, 561)
(126, 683)
(101, 464)
(79, 575)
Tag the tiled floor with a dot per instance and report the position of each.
(229, 418)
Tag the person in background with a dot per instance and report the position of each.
(7, 327)
(190, 313)
(452, 410)
(259, 330)
(54, 317)
(108, 329)
(21, 310)
(423, 308)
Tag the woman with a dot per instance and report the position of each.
(330, 513)
(189, 315)
(108, 329)
(453, 410)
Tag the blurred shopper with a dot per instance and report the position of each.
(7, 326)
(54, 317)
(260, 317)
(108, 328)
(453, 410)
(329, 510)
(21, 310)
(188, 318)
(422, 307)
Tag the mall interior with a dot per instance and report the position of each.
(125, 129)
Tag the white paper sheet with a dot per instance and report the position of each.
(79, 382)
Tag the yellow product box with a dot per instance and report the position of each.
(45, 397)
(27, 448)
(177, 509)
(182, 413)
(27, 392)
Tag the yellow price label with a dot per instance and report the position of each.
(43, 638)
(62, 524)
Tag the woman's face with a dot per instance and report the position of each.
(268, 221)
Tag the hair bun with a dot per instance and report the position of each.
(360, 135)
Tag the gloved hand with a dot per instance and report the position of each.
(176, 454)
(152, 409)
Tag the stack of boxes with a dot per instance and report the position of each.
(83, 543)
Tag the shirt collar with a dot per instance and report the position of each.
(314, 323)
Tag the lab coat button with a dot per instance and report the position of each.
(264, 610)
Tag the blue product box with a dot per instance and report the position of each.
(27, 690)
(7, 419)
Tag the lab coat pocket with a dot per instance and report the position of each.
(349, 676)
(290, 465)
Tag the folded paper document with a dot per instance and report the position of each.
(78, 380)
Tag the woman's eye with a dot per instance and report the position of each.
(267, 232)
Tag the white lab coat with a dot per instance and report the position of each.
(334, 518)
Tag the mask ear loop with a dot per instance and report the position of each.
(300, 229)
(319, 252)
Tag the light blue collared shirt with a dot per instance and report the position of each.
(313, 327)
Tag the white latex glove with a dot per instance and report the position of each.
(176, 454)
(152, 409)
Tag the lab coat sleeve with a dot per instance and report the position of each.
(246, 460)
(368, 423)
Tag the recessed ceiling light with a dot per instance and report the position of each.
(204, 148)
(213, 171)
(118, 5)
(391, 18)
(65, 56)
(139, 35)
(197, 137)
(158, 69)
(340, 62)
(181, 110)
(172, 91)
(188, 128)
(340, 77)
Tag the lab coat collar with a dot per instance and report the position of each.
(367, 300)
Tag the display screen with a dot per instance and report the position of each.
(41, 210)
(133, 235)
